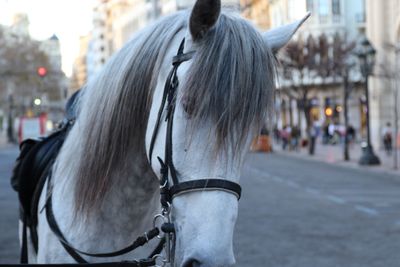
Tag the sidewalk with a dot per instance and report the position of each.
(333, 154)
(3, 140)
(4, 144)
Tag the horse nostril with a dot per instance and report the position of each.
(191, 263)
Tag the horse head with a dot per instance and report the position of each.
(223, 96)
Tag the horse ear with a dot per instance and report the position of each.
(204, 15)
(278, 37)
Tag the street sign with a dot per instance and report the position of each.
(31, 127)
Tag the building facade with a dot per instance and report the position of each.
(257, 11)
(383, 31)
(115, 22)
(80, 67)
(325, 96)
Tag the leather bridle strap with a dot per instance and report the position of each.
(76, 253)
(171, 78)
(168, 103)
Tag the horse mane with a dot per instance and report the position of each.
(113, 114)
(115, 106)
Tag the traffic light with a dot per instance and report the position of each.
(41, 71)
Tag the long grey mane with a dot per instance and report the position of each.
(230, 82)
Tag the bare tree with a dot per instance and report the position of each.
(299, 68)
(342, 64)
(303, 63)
(20, 57)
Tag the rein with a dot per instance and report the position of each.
(167, 191)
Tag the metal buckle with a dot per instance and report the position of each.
(163, 260)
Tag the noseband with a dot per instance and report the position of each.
(169, 191)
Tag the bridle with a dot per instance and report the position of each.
(169, 188)
(169, 191)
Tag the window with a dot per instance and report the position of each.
(310, 5)
(336, 7)
(323, 8)
(292, 9)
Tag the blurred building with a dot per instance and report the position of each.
(20, 24)
(80, 66)
(257, 11)
(325, 95)
(55, 84)
(115, 22)
(383, 31)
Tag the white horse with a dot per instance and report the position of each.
(105, 183)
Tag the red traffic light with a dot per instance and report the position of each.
(41, 71)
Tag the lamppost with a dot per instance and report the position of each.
(366, 55)
(10, 122)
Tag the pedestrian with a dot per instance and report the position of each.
(285, 133)
(325, 135)
(277, 135)
(387, 136)
(332, 133)
(313, 133)
(351, 134)
(294, 138)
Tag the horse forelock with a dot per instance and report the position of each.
(231, 82)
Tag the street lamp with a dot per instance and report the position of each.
(366, 55)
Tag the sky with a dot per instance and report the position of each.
(68, 19)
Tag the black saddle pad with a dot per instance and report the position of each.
(35, 159)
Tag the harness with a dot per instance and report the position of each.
(169, 188)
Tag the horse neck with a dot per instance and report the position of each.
(134, 199)
(126, 212)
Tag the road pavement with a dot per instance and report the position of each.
(293, 213)
(9, 249)
(302, 213)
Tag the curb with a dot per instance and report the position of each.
(351, 164)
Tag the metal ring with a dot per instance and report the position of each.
(163, 260)
(155, 222)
